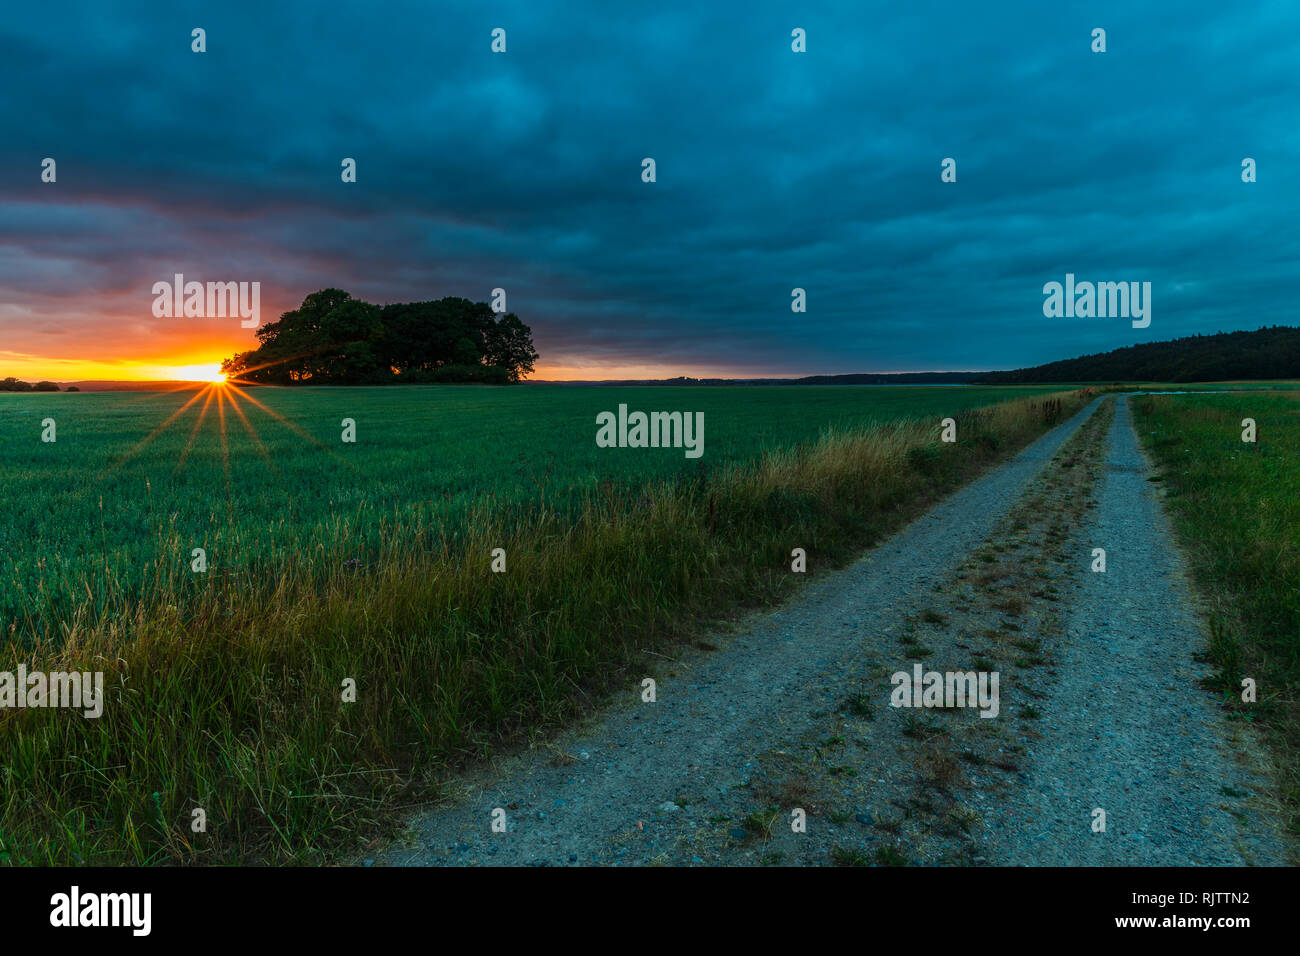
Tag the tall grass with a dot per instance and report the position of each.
(1237, 508)
(235, 706)
(108, 515)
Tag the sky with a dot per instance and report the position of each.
(774, 170)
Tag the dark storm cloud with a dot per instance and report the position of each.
(776, 170)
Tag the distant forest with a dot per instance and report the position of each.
(334, 339)
(1269, 353)
(16, 385)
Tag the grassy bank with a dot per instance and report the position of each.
(228, 698)
(1237, 510)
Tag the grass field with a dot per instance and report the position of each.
(1237, 508)
(107, 516)
(370, 563)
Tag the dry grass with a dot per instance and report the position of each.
(238, 710)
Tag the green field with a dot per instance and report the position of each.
(107, 515)
(1243, 386)
(1237, 508)
(368, 565)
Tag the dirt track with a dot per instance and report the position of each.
(1099, 708)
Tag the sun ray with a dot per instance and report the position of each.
(225, 444)
(151, 394)
(229, 394)
(140, 445)
(194, 432)
(223, 390)
(294, 428)
(282, 361)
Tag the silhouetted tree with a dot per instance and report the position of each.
(509, 345)
(333, 338)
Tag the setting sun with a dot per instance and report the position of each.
(199, 373)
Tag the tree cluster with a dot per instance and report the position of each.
(15, 385)
(334, 339)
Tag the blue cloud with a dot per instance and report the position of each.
(775, 169)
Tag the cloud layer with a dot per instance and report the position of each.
(775, 170)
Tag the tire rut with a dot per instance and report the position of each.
(1129, 731)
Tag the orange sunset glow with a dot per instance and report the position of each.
(118, 345)
(190, 367)
(185, 369)
(72, 347)
(116, 339)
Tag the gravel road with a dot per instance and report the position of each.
(681, 781)
(1129, 732)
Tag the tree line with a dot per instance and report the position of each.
(1267, 353)
(12, 384)
(334, 339)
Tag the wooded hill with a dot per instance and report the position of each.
(1268, 353)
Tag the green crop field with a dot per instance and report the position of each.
(1237, 508)
(111, 510)
(1241, 386)
(350, 642)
